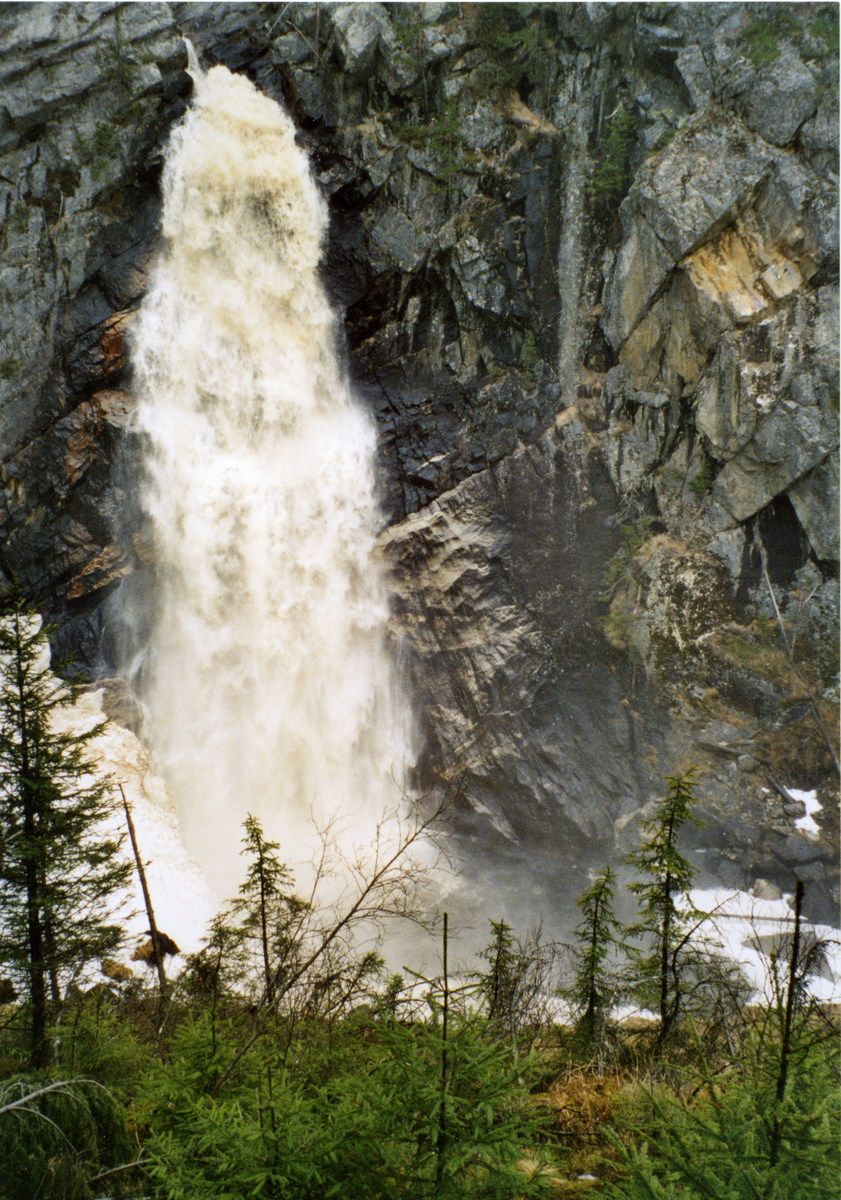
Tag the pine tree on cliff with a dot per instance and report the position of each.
(58, 870)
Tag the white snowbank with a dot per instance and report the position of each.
(750, 930)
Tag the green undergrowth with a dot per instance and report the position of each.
(351, 1108)
(633, 535)
(764, 34)
(703, 480)
(814, 35)
(825, 28)
(516, 42)
(441, 137)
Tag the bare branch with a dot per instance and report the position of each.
(384, 887)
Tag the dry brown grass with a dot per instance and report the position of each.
(581, 1102)
(802, 743)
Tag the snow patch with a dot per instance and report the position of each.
(750, 930)
(807, 824)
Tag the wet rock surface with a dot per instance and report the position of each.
(585, 260)
(87, 93)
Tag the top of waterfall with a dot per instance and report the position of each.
(193, 68)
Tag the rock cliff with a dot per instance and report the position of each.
(586, 261)
(87, 93)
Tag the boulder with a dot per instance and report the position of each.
(816, 502)
(397, 236)
(818, 136)
(482, 284)
(783, 97)
(787, 443)
(727, 413)
(587, 24)
(481, 128)
(359, 30)
(747, 223)
(764, 890)
(681, 199)
(695, 71)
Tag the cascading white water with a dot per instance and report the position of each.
(573, 115)
(270, 690)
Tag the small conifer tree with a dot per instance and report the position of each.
(766, 1126)
(267, 910)
(593, 989)
(58, 870)
(665, 923)
(498, 985)
(516, 983)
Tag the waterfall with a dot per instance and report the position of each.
(573, 117)
(268, 686)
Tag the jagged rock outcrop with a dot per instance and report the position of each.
(721, 271)
(607, 431)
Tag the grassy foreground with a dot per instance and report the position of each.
(401, 1095)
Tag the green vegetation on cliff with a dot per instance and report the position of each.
(613, 173)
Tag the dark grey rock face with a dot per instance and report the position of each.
(782, 99)
(498, 583)
(586, 261)
(86, 92)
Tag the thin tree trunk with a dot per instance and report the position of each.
(264, 926)
(52, 959)
(667, 1019)
(441, 1143)
(147, 899)
(39, 1050)
(590, 1014)
(665, 1023)
(785, 1048)
(37, 982)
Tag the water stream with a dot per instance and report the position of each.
(573, 117)
(268, 688)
